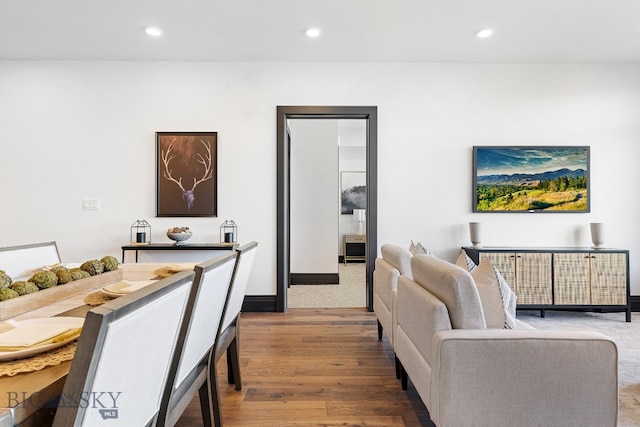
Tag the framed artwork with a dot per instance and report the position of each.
(353, 191)
(186, 174)
(531, 179)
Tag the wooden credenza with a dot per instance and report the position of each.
(563, 278)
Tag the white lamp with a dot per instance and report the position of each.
(359, 218)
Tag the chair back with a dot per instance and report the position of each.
(247, 254)
(123, 356)
(20, 261)
(198, 334)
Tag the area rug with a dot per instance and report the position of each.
(625, 334)
(350, 293)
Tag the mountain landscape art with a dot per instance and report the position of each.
(531, 179)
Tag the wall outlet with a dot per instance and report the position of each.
(91, 204)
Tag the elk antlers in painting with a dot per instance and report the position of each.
(169, 154)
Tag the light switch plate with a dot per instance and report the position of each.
(91, 204)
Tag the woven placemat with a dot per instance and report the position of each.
(97, 298)
(164, 272)
(38, 362)
(172, 269)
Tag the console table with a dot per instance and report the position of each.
(563, 278)
(174, 247)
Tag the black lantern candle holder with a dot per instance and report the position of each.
(140, 232)
(229, 232)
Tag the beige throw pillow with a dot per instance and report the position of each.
(464, 261)
(497, 298)
(489, 290)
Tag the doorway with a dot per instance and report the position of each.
(285, 113)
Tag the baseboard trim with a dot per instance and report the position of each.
(267, 303)
(315, 279)
(259, 303)
(341, 260)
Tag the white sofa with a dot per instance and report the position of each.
(468, 375)
(395, 261)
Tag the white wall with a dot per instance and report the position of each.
(314, 200)
(75, 130)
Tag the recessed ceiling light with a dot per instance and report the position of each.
(153, 31)
(483, 34)
(313, 32)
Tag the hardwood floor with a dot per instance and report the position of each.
(314, 367)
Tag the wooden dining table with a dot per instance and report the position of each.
(29, 399)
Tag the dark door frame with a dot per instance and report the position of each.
(284, 113)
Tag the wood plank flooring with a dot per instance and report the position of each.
(314, 367)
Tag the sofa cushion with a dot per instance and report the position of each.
(497, 298)
(454, 286)
(399, 257)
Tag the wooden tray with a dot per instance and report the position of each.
(43, 297)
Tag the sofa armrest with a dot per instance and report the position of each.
(524, 377)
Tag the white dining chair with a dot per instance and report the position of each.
(229, 340)
(19, 262)
(190, 371)
(123, 357)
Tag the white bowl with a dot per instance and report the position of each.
(179, 238)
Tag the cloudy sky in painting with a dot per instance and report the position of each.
(510, 160)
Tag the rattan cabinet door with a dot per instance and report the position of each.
(505, 262)
(608, 278)
(571, 279)
(533, 278)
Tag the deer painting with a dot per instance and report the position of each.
(186, 154)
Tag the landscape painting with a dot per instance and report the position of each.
(531, 179)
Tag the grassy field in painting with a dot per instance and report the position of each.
(502, 198)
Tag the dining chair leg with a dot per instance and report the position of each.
(205, 405)
(230, 363)
(214, 396)
(233, 365)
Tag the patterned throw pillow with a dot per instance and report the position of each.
(508, 301)
(418, 249)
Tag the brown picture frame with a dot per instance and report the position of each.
(186, 174)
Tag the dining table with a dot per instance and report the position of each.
(30, 398)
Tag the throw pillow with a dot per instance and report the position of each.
(490, 298)
(464, 261)
(497, 298)
(508, 301)
(418, 249)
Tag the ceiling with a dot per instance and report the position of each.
(541, 31)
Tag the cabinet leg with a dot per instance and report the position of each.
(542, 313)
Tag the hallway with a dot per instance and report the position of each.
(350, 293)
